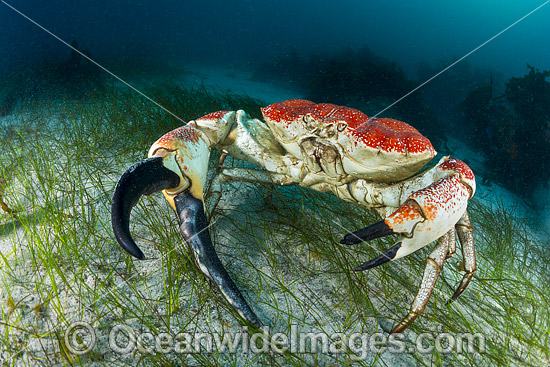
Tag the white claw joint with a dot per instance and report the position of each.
(186, 151)
(429, 213)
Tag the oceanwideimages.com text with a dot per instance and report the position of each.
(81, 338)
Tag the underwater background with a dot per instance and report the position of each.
(490, 109)
(243, 33)
(353, 52)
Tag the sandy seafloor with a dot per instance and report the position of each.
(240, 82)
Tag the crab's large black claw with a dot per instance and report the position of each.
(142, 178)
(194, 229)
(376, 230)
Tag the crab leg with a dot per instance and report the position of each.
(434, 265)
(3, 205)
(437, 212)
(452, 241)
(465, 235)
(250, 175)
(445, 248)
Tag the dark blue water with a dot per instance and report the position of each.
(217, 31)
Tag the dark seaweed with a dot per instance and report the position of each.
(513, 130)
(356, 78)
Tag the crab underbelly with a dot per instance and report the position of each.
(383, 167)
(373, 165)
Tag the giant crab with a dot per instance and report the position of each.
(329, 148)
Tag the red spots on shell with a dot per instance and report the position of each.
(397, 136)
(295, 109)
(457, 165)
(214, 115)
(386, 134)
(287, 111)
(186, 133)
(293, 103)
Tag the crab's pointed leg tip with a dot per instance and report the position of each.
(376, 230)
(387, 256)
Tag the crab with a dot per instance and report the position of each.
(373, 162)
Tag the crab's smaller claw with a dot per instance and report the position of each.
(426, 215)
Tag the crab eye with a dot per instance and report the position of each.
(310, 121)
(341, 126)
(331, 131)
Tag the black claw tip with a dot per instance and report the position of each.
(376, 230)
(382, 259)
(194, 229)
(142, 178)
